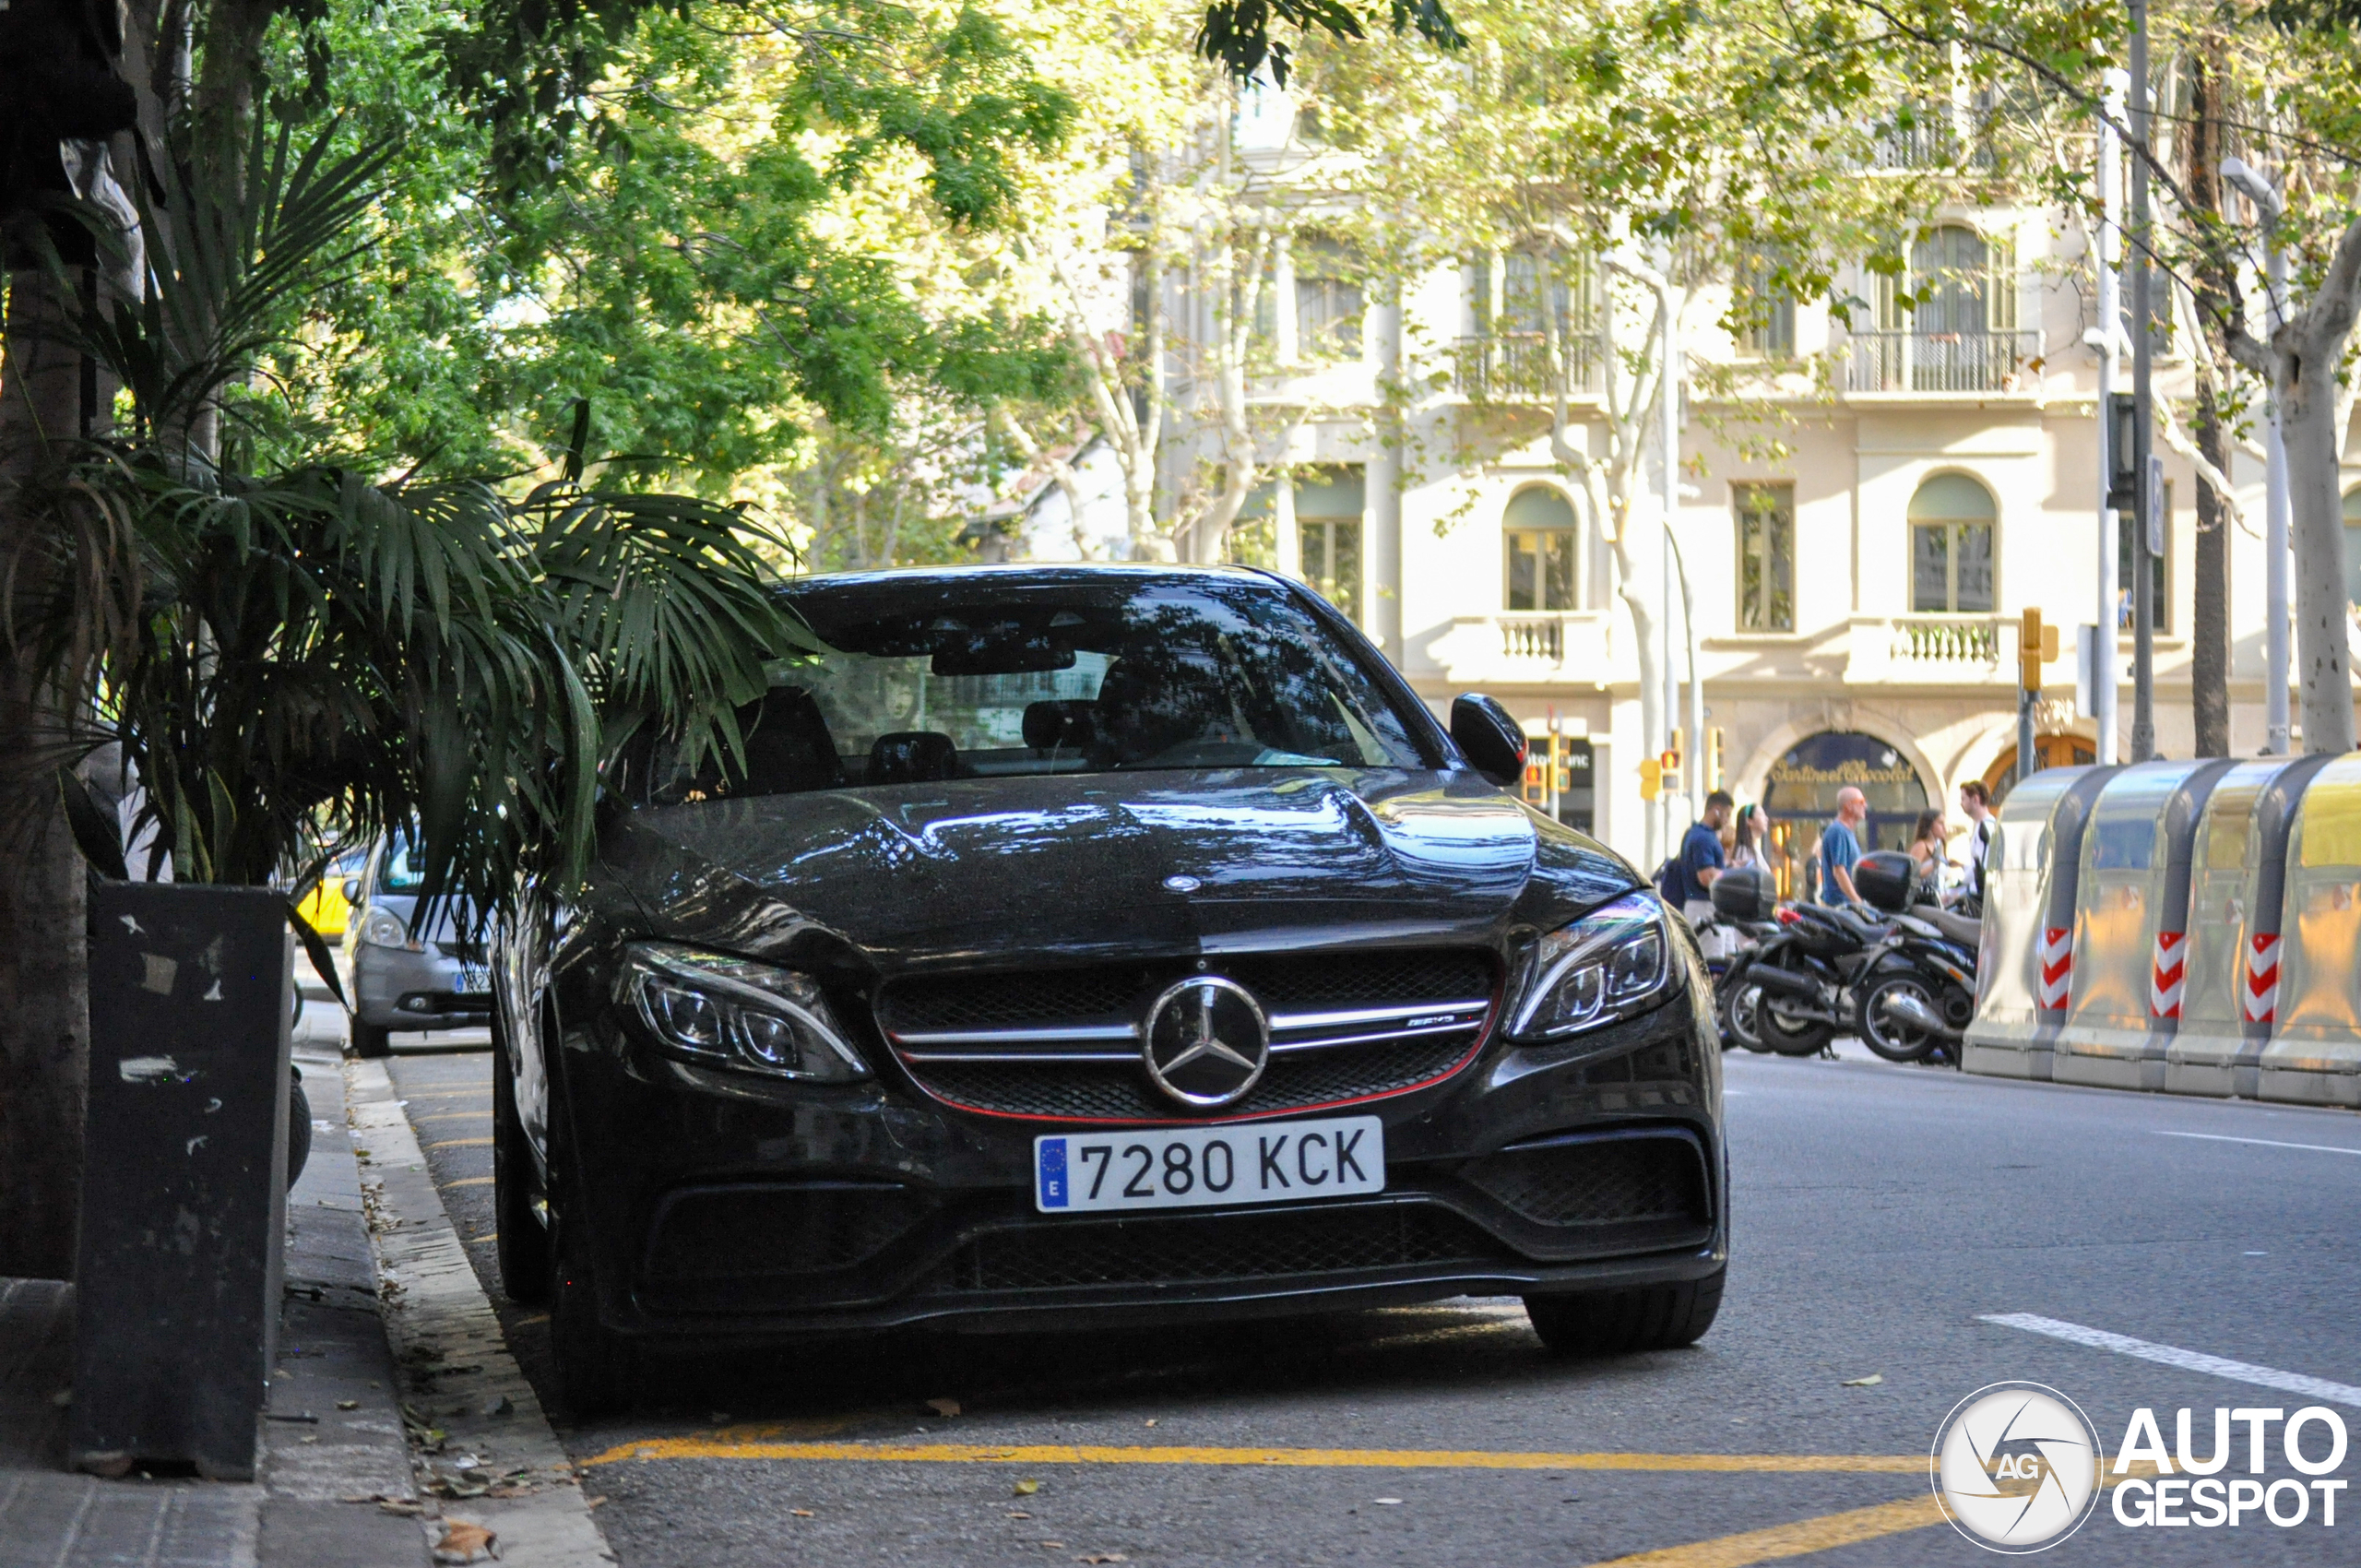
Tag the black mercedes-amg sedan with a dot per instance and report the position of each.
(1082, 945)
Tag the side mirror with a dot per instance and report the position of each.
(1488, 738)
(352, 890)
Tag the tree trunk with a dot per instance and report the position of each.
(2306, 352)
(44, 1011)
(2209, 672)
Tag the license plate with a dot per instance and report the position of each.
(474, 981)
(1260, 1162)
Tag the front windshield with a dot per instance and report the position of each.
(936, 678)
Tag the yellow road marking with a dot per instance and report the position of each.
(1801, 1539)
(468, 1182)
(730, 1447)
(462, 1143)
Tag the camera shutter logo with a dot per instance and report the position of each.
(2016, 1467)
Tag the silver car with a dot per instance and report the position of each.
(434, 980)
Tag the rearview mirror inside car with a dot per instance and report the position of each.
(1492, 741)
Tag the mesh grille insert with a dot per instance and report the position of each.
(1602, 1181)
(1199, 1248)
(774, 1229)
(1114, 1092)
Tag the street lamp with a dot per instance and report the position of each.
(2256, 187)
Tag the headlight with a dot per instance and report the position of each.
(383, 928)
(737, 1013)
(1613, 962)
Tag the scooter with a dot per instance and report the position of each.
(1918, 995)
(1801, 979)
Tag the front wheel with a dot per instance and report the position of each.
(371, 1040)
(521, 1213)
(1886, 1035)
(1621, 1323)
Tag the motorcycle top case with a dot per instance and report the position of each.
(1885, 879)
(1745, 894)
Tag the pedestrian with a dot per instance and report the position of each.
(1701, 858)
(1746, 839)
(1929, 854)
(1975, 802)
(1840, 847)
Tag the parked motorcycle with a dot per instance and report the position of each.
(1787, 993)
(1916, 995)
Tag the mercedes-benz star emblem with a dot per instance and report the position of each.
(1207, 1041)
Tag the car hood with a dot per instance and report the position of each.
(1104, 864)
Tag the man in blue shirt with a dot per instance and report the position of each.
(1701, 858)
(1840, 847)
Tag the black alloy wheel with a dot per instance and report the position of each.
(519, 1209)
(299, 1127)
(598, 1369)
(1886, 1035)
(1622, 1322)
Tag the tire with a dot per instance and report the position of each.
(526, 1260)
(1808, 1038)
(598, 1369)
(1894, 1040)
(1623, 1323)
(371, 1040)
(298, 1128)
(1739, 1012)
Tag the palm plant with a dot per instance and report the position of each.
(298, 657)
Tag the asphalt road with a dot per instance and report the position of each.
(1884, 1213)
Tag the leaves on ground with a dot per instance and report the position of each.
(1026, 1488)
(465, 1542)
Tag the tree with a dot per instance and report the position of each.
(1629, 157)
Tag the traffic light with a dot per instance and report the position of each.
(2036, 644)
(1714, 757)
(1651, 778)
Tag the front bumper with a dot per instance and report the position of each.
(395, 989)
(723, 1208)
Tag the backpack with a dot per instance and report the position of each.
(1667, 882)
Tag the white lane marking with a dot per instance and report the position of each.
(2267, 1143)
(2172, 1356)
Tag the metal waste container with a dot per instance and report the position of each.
(2026, 962)
(2314, 1054)
(2236, 894)
(2132, 924)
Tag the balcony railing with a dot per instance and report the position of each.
(1533, 637)
(1933, 142)
(1931, 641)
(1518, 367)
(1944, 362)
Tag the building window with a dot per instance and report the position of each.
(1328, 302)
(1766, 556)
(1950, 547)
(1539, 542)
(1952, 324)
(2161, 601)
(1765, 316)
(1328, 520)
(2352, 546)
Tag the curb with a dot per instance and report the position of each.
(461, 1383)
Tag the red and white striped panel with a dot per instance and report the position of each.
(2168, 971)
(2057, 960)
(2262, 988)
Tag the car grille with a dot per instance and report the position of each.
(1596, 1181)
(1212, 1247)
(1064, 1044)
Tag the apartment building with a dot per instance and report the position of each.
(1858, 544)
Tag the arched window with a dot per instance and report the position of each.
(1541, 544)
(1951, 546)
(1952, 324)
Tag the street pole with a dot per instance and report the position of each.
(2257, 188)
(2105, 666)
(1668, 432)
(2143, 576)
